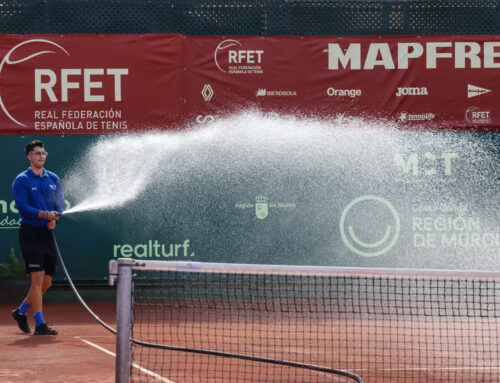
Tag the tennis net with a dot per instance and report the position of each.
(206, 322)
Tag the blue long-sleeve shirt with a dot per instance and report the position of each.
(33, 193)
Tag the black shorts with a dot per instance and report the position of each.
(38, 249)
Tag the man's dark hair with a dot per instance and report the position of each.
(32, 145)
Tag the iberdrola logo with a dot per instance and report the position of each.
(261, 207)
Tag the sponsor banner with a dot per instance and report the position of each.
(89, 84)
(100, 84)
(408, 199)
(414, 81)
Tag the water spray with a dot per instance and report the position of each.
(213, 173)
(232, 158)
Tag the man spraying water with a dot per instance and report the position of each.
(39, 198)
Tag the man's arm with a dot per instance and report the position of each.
(58, 202)
(20, 191)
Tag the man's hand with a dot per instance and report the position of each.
(51, 225)
(52, 215)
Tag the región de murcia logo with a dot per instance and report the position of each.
(263, 206)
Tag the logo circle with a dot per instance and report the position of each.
(369, 249)
(224, 45)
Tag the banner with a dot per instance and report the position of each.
(354, 199)
(433, 81)
(100, 84)
(89, 84)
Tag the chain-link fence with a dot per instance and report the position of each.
(252, 17)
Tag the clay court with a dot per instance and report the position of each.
(379, 349)
(62, 358)
(394, 351)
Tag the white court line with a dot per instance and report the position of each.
(135, 365)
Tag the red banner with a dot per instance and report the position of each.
(89, 84)
(433, 81)
(98, 84)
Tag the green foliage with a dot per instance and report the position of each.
(14, 270)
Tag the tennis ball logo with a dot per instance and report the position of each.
(224, 47)
(369, 226)
(8, 61)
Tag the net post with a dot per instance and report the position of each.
(123, 320)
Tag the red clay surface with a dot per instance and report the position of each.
(430, 351)
(379, 348)
(61, 358)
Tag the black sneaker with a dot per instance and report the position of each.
(43, 329)
(22, 321)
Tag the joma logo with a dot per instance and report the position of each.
(412, 91)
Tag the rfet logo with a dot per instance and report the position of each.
(61, 85)
(231, 56)
(474, 115)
